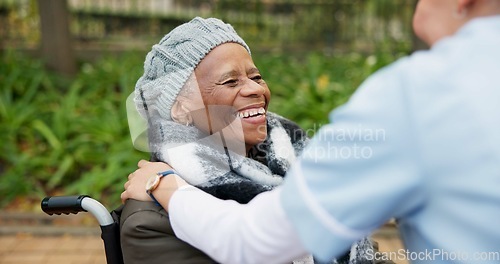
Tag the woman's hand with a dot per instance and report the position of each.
(135, 187)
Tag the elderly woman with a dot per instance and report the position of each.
(206, 104)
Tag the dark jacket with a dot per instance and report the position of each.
(147, 237)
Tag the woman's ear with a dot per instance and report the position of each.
(181, 114)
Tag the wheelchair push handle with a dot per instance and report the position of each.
(75, 204)
(83, 203)
(63, 204)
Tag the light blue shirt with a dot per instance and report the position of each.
(418, 141)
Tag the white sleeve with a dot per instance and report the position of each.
(257, 232)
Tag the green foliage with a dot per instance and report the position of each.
(63, 136)
(306, 88)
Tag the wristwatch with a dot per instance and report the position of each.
(154, 181)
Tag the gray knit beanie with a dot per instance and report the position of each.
(171, 62)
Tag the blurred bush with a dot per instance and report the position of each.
(65, 136)
(61, 136)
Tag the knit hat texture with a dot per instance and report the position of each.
(171, 62)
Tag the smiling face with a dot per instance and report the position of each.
(232, 89)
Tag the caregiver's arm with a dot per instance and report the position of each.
(257, 232)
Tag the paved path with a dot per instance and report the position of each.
(28, 249)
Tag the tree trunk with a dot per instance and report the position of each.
(56, 47)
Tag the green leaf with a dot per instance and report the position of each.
(65, 165)
(47, 133)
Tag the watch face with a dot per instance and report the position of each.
(152, 183)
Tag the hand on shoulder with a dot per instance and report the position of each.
(135, 187)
